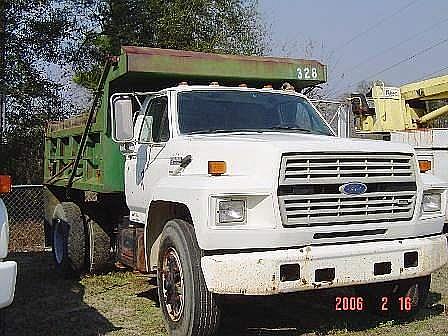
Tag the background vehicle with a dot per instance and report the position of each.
(412, 114)
(8, 269)
(233, 190)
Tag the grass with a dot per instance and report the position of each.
(123, 303)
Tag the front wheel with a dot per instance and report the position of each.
(188, 307)
(397, 299)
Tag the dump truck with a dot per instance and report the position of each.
(216, 175)
(411, 114)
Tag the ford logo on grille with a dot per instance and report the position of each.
(353, 188)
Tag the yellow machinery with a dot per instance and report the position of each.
(406, 114)
(399, 109)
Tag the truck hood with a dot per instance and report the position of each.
(258, 155)
(290, 142)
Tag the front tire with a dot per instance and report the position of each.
(398, 299)
(189, 309)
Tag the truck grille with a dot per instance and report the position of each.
(309, 188)
(340, 168)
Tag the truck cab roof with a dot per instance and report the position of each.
(186, 87)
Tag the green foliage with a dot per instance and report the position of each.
(30, 36)
(221, 26)
(37, 34)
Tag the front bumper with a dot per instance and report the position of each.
(258, 273)
(8, 272)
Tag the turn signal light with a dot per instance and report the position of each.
(5, 184)
(424, 165)
(217, 168)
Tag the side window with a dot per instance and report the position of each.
(155, 127)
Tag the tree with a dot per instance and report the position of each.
(103, 26)
(36, 35)
(30, 36)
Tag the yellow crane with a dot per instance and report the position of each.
(406, 114)
(399, 108)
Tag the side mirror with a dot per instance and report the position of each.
(122, 118)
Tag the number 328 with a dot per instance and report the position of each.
(307, 73)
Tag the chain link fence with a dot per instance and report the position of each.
(25, 205)
(338, 115)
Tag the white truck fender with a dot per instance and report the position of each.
(4, 231)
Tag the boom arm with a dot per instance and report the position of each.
(398, 109)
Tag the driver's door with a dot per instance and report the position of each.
(151, 134)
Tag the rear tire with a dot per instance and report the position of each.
(100, 257)
(68, 238)
(189, 309)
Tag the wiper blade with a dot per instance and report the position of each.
(238, 130)
(201, 132)
(291, 128)
(226, 131)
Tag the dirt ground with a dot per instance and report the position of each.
(123, 303)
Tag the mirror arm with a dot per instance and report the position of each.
(127, 147)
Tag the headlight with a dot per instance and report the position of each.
(232, 211)
(431, 202)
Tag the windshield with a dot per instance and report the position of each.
(233, 111)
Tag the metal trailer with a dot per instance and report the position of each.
(84, 168)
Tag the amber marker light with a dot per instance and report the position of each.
(216, 168)
(5, 184)
(424, 165)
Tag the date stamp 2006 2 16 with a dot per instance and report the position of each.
(356, 303)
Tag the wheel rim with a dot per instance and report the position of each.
(173, 284)
(58, 241)
(413, 293)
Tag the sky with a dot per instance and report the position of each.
(396, 41)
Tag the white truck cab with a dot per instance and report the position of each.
(8, 269)
(272, 201)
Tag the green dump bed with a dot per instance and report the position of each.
(150, 69)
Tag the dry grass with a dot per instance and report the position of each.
(27, 235)
(123, 303)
